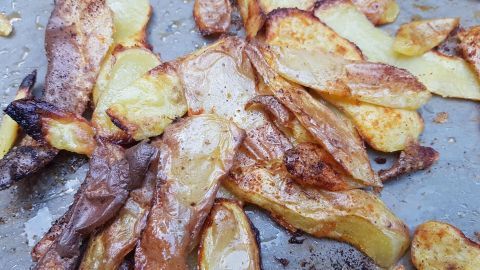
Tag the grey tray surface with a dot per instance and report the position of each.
(448, 192)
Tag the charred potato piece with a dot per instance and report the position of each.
(438, 245)
(45, 122)
(212, 16)
(356, 217)
(228, 239)
(418, 37)
(470, 47)
(379, 11)
(443, 75)
(5, 26)
(374, 83)
(195, 153)
(337, 137)
(130, 19)
(144, 108)
(129, 65)
(254, 12)
(8, 127)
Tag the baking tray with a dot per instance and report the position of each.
(449, 191)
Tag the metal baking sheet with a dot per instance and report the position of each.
(448, 192)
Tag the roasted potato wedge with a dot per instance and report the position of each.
(254, 12)
(470, 47)
(356, 217)
(374, 83)
(334, 135)
(438, 245)
(220, 79)
(130, 19)
(379, 11)
(228, 239)
(384, 129)
(298, 29)
(443, 75)
(144, 108)
(212, 16)
(45, 122)
(129, 65)
(5, 26)
(195, 153)
(418, 37)
(8, 127)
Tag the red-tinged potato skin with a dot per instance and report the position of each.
(212, 16)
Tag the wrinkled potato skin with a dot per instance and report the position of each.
(228, 239)
(438, 245)
(212, 16)
(470, 47)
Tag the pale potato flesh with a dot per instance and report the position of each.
(130, 20)
(356, 217)
(5, 26)
(418, 37)
(443, 75)
(379, 11)
(144, 108)
(71, 134)
(441, 246)
(228, 240)
(129, 65)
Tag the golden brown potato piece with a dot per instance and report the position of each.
(470, 47)
(254, 12)
(220, 79)
(5, 26)
(8, 127)
(212, 16)
(130, 19)
(379, 11)
(144, 108)
(228, 240)
(414, 158)
(438, 245)
(356, 217)
(418, 37)
(443, 75)
(195, 153)
(333, 134)
(45, 122)
(374, 83)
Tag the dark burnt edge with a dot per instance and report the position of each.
(29, 81)
(323, 4)
(26, 113)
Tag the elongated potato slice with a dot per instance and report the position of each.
(374, 83)
(195, 153)
(144, 108)
(212, 16)
(470, 47)
(443, 75)
(384, 129)
(379, 11)
(130, 19)
(228, 240)
(438, 245)
(418, 37)
(45, 122)
(130, 64)
(254, 12)
(8, 127)
(354, 216)
(334, 135)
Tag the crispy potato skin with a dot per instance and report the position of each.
(379, 11)
(195, 153)
(228, 239)
(344, 215)
(438, 245)
(416, 38)
(212, 16)
(470, 47)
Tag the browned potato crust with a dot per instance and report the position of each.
(441, 246)
(470, 47)
(212, 16)
(379, 11)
